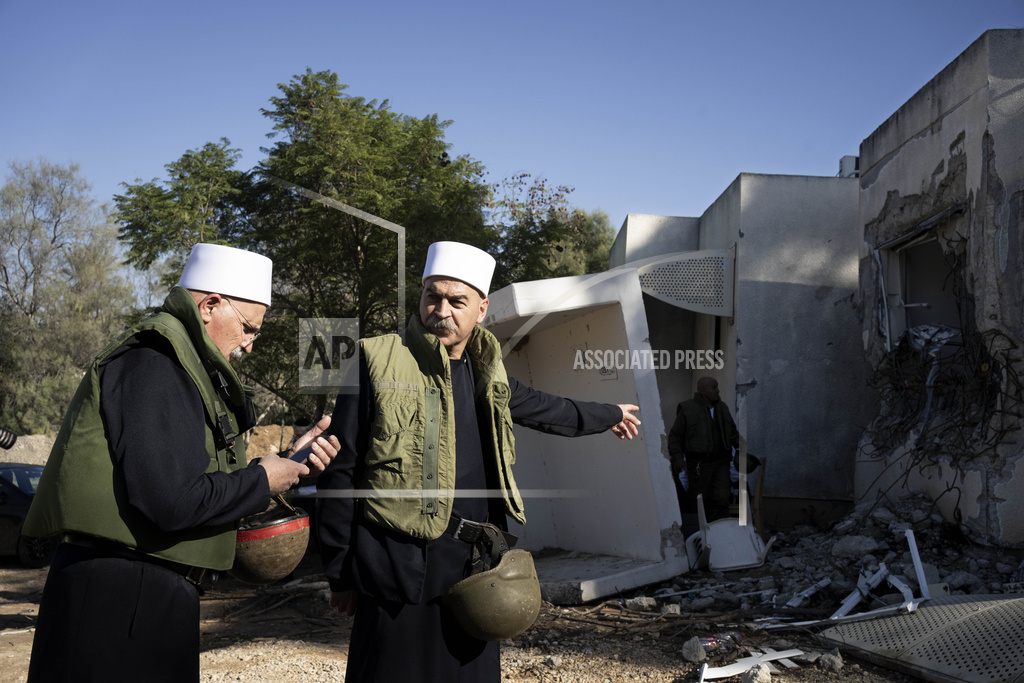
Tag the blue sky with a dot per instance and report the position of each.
(643, 107)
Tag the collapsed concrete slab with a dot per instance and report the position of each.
(603, 511)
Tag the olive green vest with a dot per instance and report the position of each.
(412, 440)
(82, 491)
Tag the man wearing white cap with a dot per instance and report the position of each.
(148, 478)
(433, 414)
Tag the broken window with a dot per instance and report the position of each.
(918, 285)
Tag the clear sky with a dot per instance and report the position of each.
(642, 106)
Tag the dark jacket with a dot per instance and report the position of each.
(692, 431)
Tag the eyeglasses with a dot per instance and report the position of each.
(247, 326)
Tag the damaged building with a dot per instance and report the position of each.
(866, 331)
(942, 286)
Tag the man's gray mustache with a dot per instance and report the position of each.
(444, 323)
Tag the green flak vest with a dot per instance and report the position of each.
(412, 439)
(82, 491)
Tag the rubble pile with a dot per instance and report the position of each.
(826, 563)
(706, 625)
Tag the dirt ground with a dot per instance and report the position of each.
(287, 633)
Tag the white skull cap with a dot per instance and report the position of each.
(460, 261)
(229, 271)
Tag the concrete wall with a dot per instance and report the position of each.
(795, 375)
(949, 164)
(644, 235)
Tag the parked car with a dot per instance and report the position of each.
(17, 487)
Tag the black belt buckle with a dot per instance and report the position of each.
(467, 531)
(473, 532)
(194, 575)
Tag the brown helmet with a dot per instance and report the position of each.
(499, 603)
(270, 545)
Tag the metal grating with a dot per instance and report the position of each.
(951, 638)
(698, 281)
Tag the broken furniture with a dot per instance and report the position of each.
(726, 543)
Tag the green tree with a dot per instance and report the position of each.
(329, 263)
(362, 154)
(200, 201)
(596, 236)
(537, 230)
(61, 292)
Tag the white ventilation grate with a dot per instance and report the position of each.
(979, 639)
(700, 281)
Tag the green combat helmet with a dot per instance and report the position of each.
(499, 603)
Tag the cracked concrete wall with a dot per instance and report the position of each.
(951, 160)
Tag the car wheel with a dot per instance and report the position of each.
(36, 552)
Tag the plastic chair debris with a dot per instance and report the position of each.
(726, 544)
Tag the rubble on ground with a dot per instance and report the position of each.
(839, 554)
(708, 621)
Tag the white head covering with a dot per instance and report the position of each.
(229, 271)
(460, 261)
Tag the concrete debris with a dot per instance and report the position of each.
(874, 563)
(801, 597)
(642, 603)
(693, 651)
(859, 543)
(830, 662)
(760, 673)
(854, 546)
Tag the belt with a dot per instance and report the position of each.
(102, 548)
(474, 532)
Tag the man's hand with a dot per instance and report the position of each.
(282, 473)
(627, 429)
(344, 602)
(322, 450)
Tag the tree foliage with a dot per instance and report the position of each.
(362, 154)
(61, 295)
(329, 263)
(541, 236)
(200, 201)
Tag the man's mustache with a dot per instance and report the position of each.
(446, 324)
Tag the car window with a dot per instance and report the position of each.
(25, 479)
